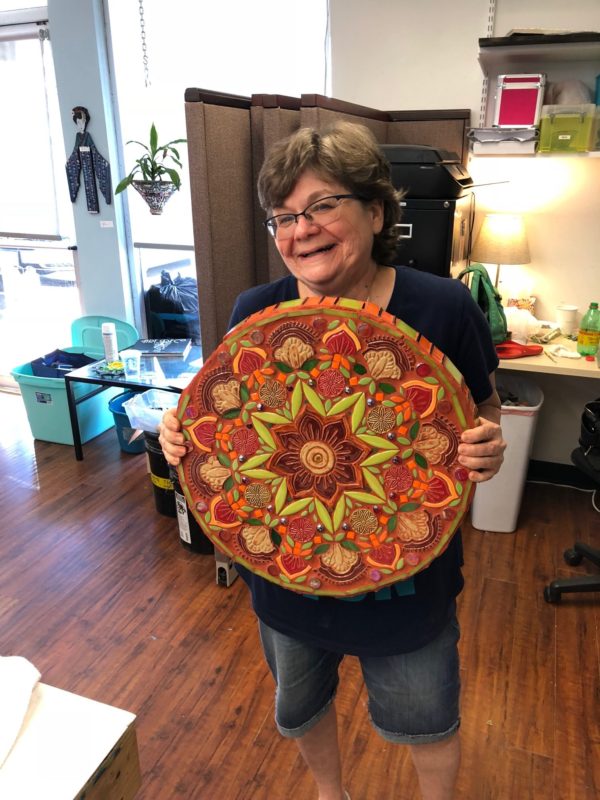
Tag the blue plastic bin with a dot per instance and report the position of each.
(123, 426)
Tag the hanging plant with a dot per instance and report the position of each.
(158, 179)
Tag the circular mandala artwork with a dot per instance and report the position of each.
(324, 447)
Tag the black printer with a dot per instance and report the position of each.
(437, 208)
(424, 172)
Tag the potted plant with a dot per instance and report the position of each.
(157, 180)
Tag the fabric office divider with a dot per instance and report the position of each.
(222, 191)
(228, 137)
(321, 112)
(272, 118)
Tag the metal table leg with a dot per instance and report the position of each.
(71, 402)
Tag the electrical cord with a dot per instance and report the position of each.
(593, 492)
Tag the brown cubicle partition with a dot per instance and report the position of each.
(228, 136)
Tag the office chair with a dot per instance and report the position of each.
(587, 459)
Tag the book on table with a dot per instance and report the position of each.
(174, 348)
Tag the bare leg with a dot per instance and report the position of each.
(320, 750)
(437, 767)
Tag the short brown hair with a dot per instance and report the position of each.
(346, 152)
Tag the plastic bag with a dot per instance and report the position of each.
(57, 363)
(173, 307)
(145, 409)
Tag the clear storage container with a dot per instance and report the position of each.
(567, 129)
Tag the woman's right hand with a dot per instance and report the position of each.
(171, 438)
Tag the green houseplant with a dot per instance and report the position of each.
(158, 178)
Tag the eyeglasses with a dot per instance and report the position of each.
(321, 212)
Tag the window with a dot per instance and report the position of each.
(38, 289)
(269, 46)
(35, 199)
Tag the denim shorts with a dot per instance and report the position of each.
(413, 697)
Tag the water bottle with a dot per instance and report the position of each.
(588, 337)
(109, 340)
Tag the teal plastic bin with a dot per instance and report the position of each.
(45, 399)
(47, 409)
(86, 332)
(123, 426)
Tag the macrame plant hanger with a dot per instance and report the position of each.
(144, 44)
(154, 193)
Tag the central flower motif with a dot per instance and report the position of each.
(318, 456)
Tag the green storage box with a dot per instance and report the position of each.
(47, 409)
(567, 129)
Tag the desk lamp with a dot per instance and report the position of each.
(501, 240)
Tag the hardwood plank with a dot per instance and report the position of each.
(577, 696)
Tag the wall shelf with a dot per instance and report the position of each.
(496, 54)
(590, 154)
(569, 56)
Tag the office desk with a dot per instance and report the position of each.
(567, 385)
(572, 367)
(168, 373)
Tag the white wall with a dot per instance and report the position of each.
(81, 68)
(395, 54)
(401, 54)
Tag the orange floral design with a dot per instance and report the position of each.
(293, 352)
(213, 473)
(413, 526)
(272, 394)
(381, 419)
(363, 521)
(257, 539)
(339, 560)
(318, 456)
(226, 395)
(432, 444)
(382, 364)
(258, 495)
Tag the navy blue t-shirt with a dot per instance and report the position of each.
(409, 614)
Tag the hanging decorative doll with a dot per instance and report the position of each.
(85, 159)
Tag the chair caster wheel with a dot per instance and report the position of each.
(551, 595)
(572, 557)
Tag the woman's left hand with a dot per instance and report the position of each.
(481, 449)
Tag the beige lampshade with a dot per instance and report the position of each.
(501, 240)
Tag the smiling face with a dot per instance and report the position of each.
(333, 259)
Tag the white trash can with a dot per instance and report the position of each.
(497, 502)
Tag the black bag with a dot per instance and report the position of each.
(172, 308)
(489, 301)
(57, 363)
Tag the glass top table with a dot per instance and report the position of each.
(169, 373)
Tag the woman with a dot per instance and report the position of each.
(332, 210)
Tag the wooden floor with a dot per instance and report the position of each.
(96, 590)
